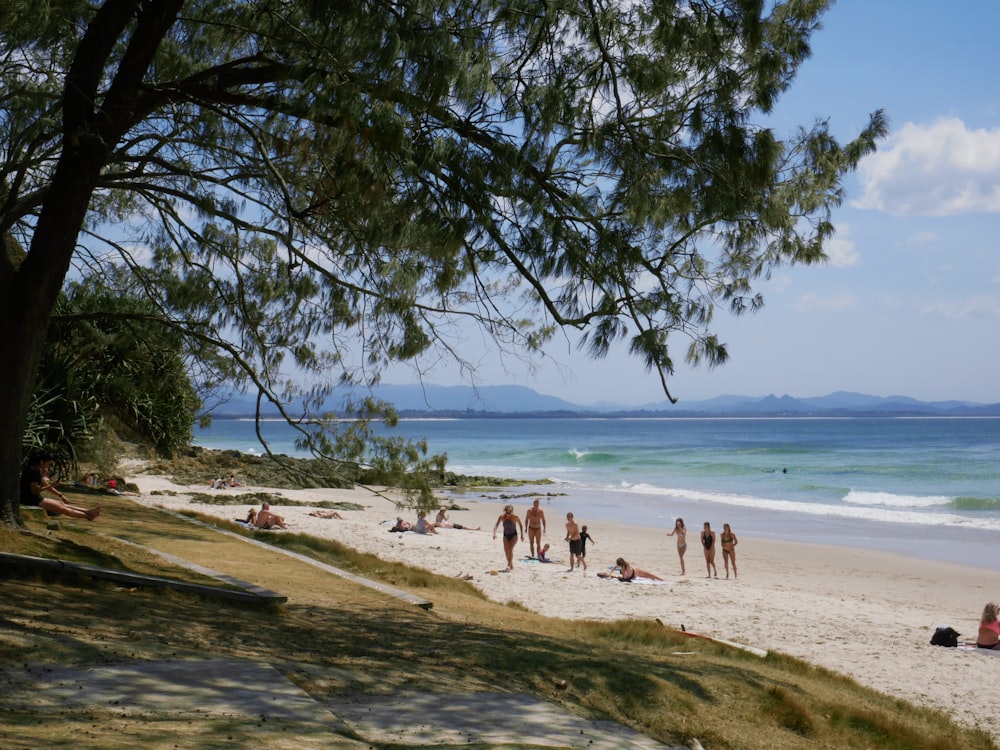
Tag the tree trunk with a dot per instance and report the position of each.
(28, 294)
(18, 369)
(29, 290)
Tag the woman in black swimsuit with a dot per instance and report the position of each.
(708, 542)
(512, 531)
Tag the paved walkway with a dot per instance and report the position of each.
(259, 691)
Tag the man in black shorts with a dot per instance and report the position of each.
(575, 543)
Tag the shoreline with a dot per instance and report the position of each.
(968, 547)
(868, 614)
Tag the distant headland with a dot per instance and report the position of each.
(519, 401)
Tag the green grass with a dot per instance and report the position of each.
(334, 637)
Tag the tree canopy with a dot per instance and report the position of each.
(325, 187)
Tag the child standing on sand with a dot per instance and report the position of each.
(584, 538)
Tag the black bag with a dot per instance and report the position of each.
(945, 636)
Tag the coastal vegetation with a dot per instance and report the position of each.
(305, 193)
(334, 637)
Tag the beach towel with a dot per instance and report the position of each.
(973, 647)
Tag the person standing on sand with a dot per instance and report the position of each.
(575, 543)
(708, 542)
(728, 541)
(681, 533)
(584, 538)
(513, 530)
(534, 519)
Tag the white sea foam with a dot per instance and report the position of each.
(888, 510)
(889, 500)
(507, 472)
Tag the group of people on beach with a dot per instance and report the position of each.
(577, 536)
(727, 540)
(514, 530)
(223, 484)
(424, 526)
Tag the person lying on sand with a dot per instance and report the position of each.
(628, 573)
(442, 522)
(326, 514)
(401, 525)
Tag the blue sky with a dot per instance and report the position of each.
(909, 303)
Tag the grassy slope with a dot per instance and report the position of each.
(335, 637)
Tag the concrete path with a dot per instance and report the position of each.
(259, 691)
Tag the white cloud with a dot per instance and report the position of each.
(937, 170)
(922, 239)
(812, 301)
(979, 306)
(840, 249)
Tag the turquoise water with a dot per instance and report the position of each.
(926, 486)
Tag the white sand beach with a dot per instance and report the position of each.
(866, 614)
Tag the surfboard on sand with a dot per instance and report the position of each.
(741, 646)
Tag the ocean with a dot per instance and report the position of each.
(925, 487)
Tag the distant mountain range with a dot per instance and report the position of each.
(510, 400)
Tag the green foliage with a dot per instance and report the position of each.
(59, 423)
(110, 359)
(309, 191)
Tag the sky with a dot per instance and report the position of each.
(909, 302)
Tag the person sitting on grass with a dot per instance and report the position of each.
(35, 481)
